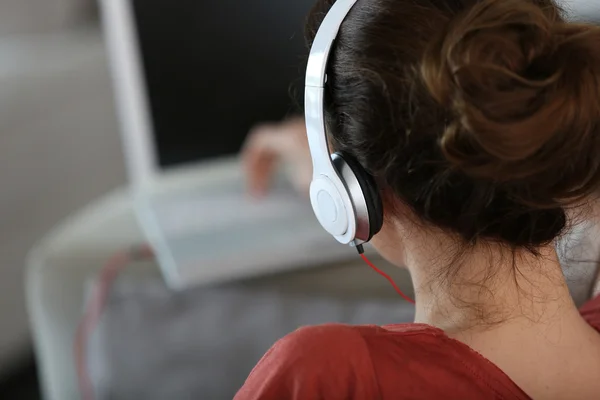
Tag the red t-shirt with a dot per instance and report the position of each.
(408, 361)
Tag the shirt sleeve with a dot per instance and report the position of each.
(323, 362)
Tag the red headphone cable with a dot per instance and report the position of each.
(361, 252)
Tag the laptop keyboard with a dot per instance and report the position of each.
(224, 234)
(230, 212)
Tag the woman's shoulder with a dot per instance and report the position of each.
(361, 362)
(333, 340)
(326, 361)
(352, 345)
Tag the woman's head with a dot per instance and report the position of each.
(482, 118)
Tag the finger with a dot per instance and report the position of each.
(259, 158)
(260, 166)
(265, 147)
(259, 177)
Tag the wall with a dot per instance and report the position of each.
(59, 149)
(42, 16)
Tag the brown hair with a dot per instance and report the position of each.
(482, 116)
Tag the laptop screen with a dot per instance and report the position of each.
(215, 68)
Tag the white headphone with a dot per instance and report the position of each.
(343, 195)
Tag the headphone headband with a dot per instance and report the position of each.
(321, 46)
(316, 77)
(344, 197)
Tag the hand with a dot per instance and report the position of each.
(270, 145)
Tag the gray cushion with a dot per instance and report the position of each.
(201, 344)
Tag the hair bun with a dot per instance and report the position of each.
(522, 91)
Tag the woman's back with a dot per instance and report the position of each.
(413, 361)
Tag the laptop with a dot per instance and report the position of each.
(191, 78)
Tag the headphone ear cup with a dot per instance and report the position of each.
(370, 192)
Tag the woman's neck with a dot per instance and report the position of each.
(514, 308)
(485, 286)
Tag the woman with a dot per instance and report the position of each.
(480, 121)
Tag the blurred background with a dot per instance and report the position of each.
(60, 150)
(60, 145)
